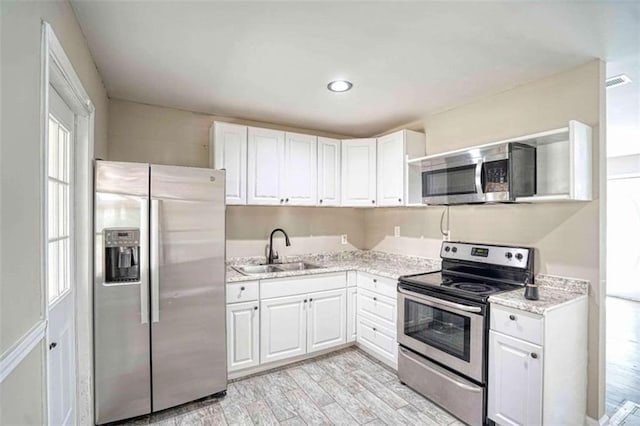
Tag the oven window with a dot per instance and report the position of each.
(456, 180)
(439, 328)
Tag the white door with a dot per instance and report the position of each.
(265, 160)
(283, 328)
(328, 172)
(327, 320)
(515, 381)
(390, 171)
(61, 362)
(359, 172)
(242, 335)
(299, 174)
(352, 312)
(623, 234)
(229, 152)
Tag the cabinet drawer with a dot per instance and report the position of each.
(245, 291)
(379, 340)
(282, 287)
(515, 323)
(382, 308)
(381, 285)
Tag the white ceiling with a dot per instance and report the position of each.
(271, 61)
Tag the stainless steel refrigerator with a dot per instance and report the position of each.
(159, 301)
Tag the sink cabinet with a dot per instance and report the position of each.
(242, 335)
(283, 327)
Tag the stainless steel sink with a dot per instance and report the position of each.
(256, 269)
(279, 267)
(297, 266)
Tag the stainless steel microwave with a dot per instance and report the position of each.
(493, 173)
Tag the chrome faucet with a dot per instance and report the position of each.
(274, 255)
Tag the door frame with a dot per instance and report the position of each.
(57, 71)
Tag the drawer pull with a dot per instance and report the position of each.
(534, 355)
(242, 288)
(373, 328)
(305, 300)
(375, 298)
(375, 281)
(255, 308)
(311, 300)
(512, 317)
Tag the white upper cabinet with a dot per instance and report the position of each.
(328, 172)
(265, 166)
(359, 172)
(228, 150)
(396, 184)
(299, 174)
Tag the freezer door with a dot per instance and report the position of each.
(187, 284)
(121, 309)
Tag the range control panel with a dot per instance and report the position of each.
(495, 255)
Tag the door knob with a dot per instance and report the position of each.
(52, 345)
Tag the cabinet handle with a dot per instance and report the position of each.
(255, 308)
(375, 281)
(375, 298)
(242, 288)
(311, 300)
(534, 355)
(286, 200)
(52, 345)
(282, 200)
(305, 300)
(373, 201)
(320, 201)
(399, 200)
(373, 328)
(512, 317)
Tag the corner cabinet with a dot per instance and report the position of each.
(395, 185)
(328, 172)
(228, 150)
(359, 173)
(538, 365)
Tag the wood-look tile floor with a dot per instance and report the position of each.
(342, 388)
(623, 353)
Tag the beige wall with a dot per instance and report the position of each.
(566, 236)
(21, 181)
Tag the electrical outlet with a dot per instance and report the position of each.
(396, 231)
(343, 239)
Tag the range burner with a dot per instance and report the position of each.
(474, 287)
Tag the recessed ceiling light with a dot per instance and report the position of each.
(339, 85)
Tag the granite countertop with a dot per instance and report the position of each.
(554, 291)
(374, 262)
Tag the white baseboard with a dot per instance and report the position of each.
(589, 421)
(13, 356)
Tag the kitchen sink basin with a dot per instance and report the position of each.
(296, 266)
(279, 267)
(256, 269)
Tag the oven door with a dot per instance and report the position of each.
(450, 333)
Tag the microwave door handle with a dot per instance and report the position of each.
(442, 302)
(479, 185)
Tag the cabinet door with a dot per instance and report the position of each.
(328, 172)
(359, 172)
(283, 328)
(515, 381)
(229, 151)
(327, 325)
(242, 335)
(390, 172)
(299, 174)
(265, 162)
(352, 310)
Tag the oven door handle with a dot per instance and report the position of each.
(442, 302)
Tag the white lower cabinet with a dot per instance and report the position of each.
(515, 374)
(326, 320)
(538, 365)
(352, 314)
(283, 328)
(242, 335)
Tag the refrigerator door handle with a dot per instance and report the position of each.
(144, 267)
(155, 261)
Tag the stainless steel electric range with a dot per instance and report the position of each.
(443, 323)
